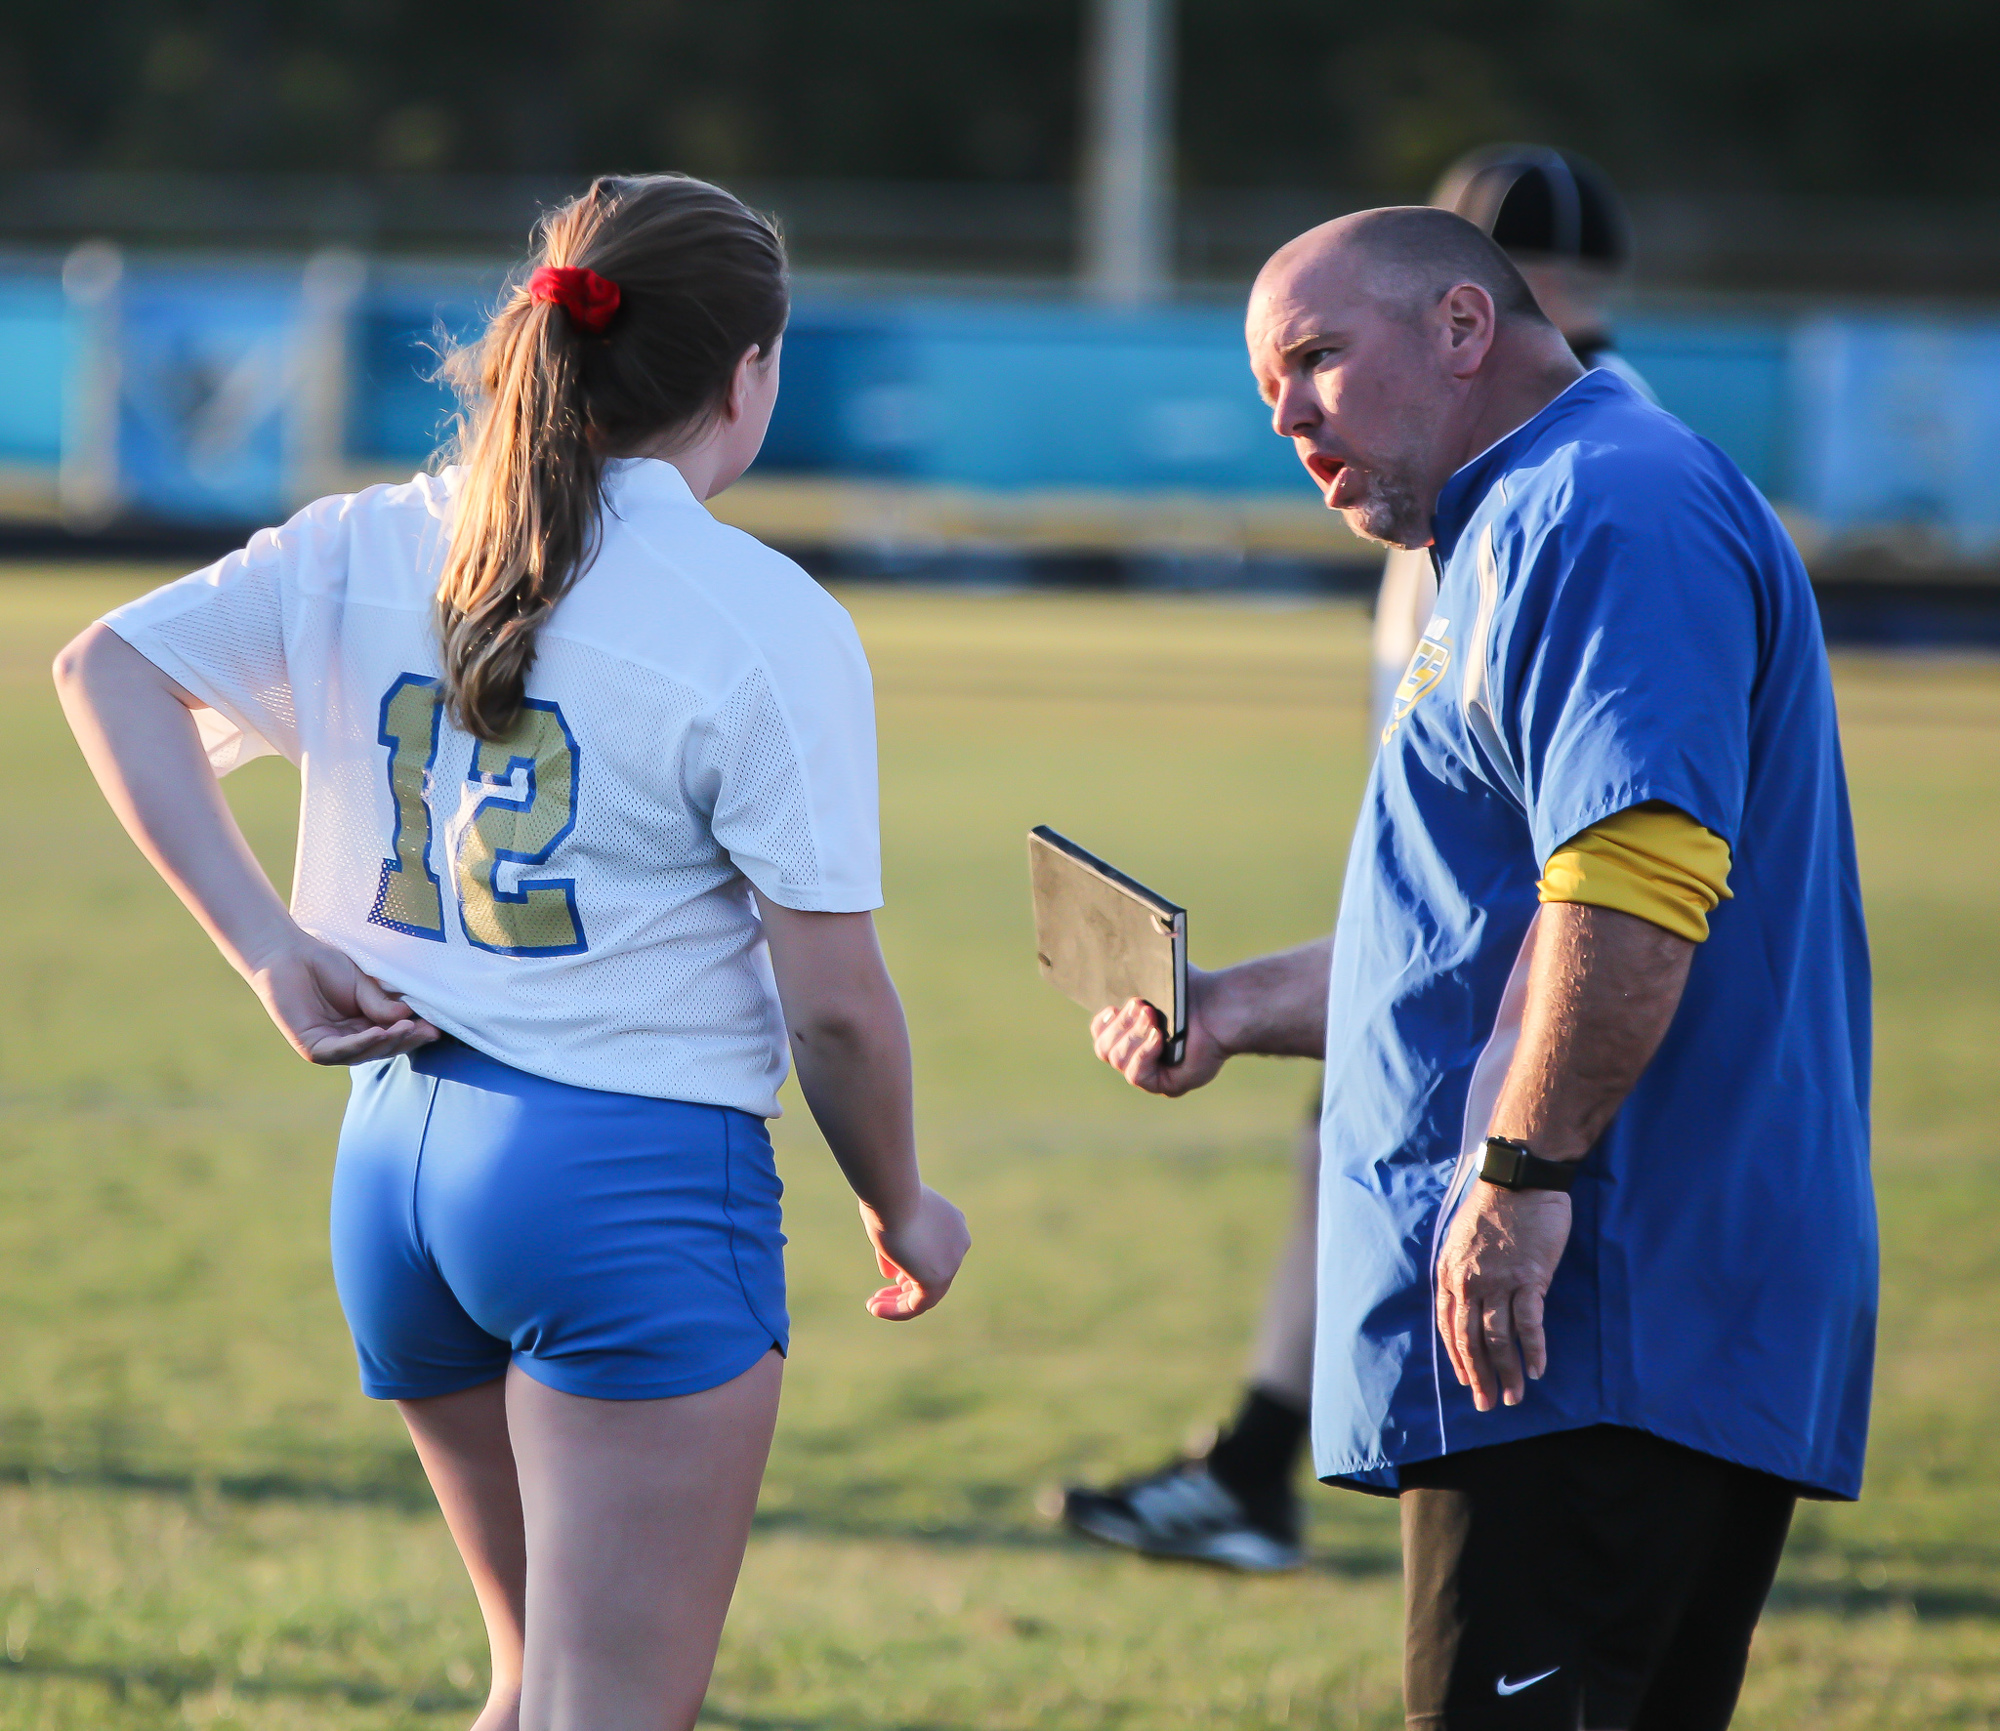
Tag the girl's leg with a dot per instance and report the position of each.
(636, 1513)
(462, 1441)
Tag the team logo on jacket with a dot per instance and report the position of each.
(1426, 668)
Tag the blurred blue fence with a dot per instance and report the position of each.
(203, 393)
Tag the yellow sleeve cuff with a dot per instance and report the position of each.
(1651, 860)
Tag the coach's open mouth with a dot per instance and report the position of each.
(1327, 471)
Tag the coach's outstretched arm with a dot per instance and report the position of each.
(1602, 990)
(1274, 1006)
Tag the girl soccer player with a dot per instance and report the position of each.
(588, 829)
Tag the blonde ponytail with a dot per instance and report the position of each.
(700, 278)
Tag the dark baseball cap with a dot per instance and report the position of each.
(1539, 201)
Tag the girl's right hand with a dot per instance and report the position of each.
(330, 1011)
(921, 1256)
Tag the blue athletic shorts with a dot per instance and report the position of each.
(612, 1245)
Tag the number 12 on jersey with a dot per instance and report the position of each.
(538, 917)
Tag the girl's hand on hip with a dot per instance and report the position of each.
(920, 1255)
(330, 1011)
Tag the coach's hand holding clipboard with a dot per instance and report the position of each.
(1120, 950)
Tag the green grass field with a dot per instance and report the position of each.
(202, 1522)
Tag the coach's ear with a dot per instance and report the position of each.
(1466, 321)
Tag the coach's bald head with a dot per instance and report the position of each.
(1393, 345)
(1409, 256)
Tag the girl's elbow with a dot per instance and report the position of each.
(67, 669)
(828, 1031)
(82, 657)
(846, 1023)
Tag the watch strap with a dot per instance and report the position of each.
(1514, 1165)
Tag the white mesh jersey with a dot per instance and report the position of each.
(575, 901)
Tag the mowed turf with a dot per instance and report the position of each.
(202, 1522)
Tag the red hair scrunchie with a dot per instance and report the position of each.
(588, 298)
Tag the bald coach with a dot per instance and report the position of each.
(1597, 1245)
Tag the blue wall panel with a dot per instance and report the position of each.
(851, 398)
(1073, 398)
(1899, 424)
(398, 412)
(208, 371)
(1884, 422)
(1728, 379)
(1005, 396)
(36, 354)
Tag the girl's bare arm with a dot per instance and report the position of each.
(851, 1048)
(138, 735)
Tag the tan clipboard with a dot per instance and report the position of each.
(1102, 938)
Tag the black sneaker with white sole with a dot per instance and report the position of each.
(1184, 1511)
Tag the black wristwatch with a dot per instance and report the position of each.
(1515, 1166)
